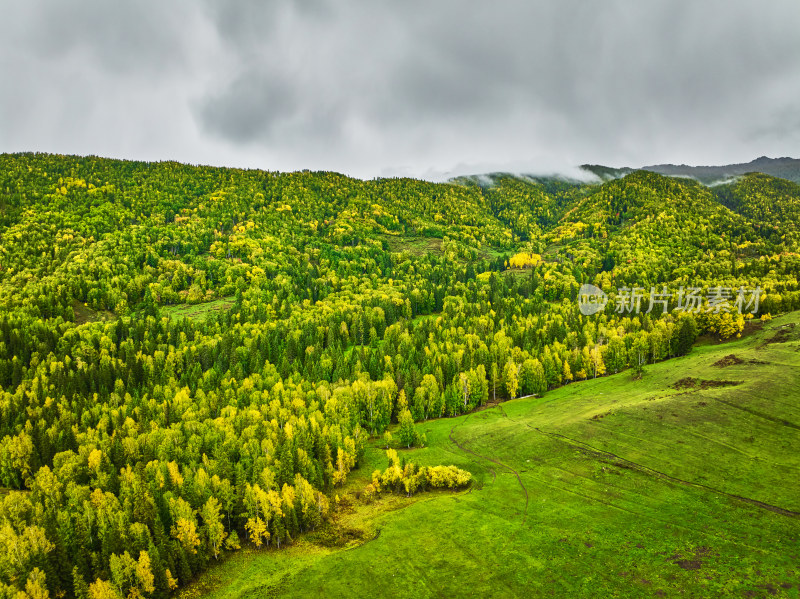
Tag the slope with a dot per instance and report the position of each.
(646, 229)
(785, 168)
(683, 482)
(767, 201)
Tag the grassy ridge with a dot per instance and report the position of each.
(611, 487)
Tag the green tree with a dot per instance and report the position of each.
(213, 528)
(407, 432)
(511, 376)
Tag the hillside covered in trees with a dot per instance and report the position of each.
(192, 358)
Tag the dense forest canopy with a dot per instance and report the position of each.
(137, 444)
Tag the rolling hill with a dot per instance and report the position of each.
(784, 168)
(204, 365)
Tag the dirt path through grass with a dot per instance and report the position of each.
(499, 463)
(625, 463)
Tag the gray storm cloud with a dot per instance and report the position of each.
(424, 89)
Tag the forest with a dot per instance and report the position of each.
(192, 359)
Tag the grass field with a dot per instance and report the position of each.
(416, 246)
(420, 246)
(197, 312)
(685, 483)
(84, 314)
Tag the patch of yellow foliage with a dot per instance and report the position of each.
(524, 260)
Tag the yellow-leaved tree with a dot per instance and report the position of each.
(524, 260)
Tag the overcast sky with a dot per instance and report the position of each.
(403, 87)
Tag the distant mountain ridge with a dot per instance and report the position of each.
(785, 168)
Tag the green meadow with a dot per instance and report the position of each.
(198, 312)
(684, 483)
